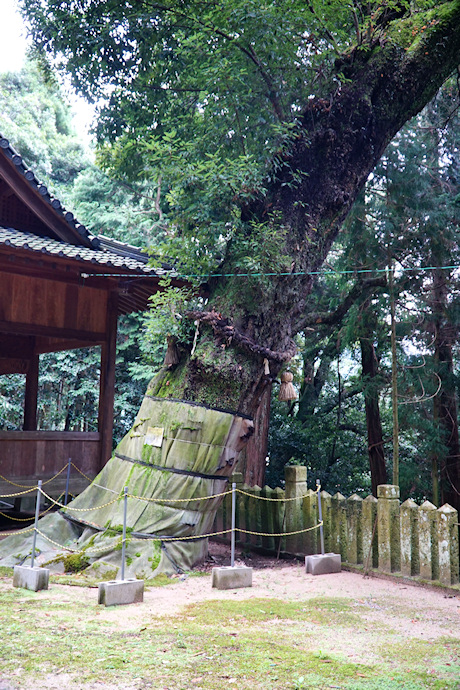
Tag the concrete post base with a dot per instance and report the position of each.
(322, 564)
(118, 592)
(227, 577)
(30, 578)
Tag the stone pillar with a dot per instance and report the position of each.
(326, 506)
(310, 519)
(279, 519)
(339, 525)
(255, 521)
(410, 562)
(428, 541)
(370, 536)
(295, 487)
(355, 531)
(447, 519)
(388, 527)
(267, 517)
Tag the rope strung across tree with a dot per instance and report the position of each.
(224, 328)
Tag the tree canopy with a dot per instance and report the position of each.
(259, 124)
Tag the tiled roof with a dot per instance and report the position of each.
(34, 183)
(111, 254)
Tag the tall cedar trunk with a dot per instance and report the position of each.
(373, 422)
(445, 403)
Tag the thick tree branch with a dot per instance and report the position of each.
(334, 317)
(346, 394)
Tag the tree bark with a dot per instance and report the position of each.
(445, 402)
(373, 421)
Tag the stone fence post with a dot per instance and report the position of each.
(428, 541)
(389, 537)
(447, 519)
(295, 487)
(410, 561)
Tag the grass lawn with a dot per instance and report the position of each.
(61, 638)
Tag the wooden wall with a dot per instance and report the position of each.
(39, 305)
(34, 455)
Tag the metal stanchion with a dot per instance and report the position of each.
(67, 482)
(232, 557)
(320, 515)
(37, 512)
(130, 591)
(123, 544)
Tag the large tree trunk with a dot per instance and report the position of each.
(373, 422)
(445, 402)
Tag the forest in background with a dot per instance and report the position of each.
(406, 219)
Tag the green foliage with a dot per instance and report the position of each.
(37, 121)
(75, 562)
(166, 315)
(205, 99)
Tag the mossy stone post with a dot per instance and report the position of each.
(389, 538)
(310, 519)
(339, 525)
(279, 518)
(268, 517)
(245, 518)
(370, 537)
(295, 488)
(447, 519)
(410, 562)
(326, 509)
(428, 541)
(257, 524)
(355, 529)
(252, 515)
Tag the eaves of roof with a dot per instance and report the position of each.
(110, 256)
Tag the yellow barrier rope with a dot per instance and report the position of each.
(10, 517)
(90, 551)
(284, 500)
(192, 536)
(178, 500)
(24, 486)
(19, 493)
(82, 473)
(80, 510)
(22, 531)
(279, 534)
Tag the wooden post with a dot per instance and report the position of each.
(107, 381)
(31, 395)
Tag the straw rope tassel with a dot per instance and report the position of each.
(287, 390)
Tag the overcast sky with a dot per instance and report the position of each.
(13, 43)
(13, 46)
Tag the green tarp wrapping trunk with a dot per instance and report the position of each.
(175, 456)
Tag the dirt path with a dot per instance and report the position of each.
(415, 612)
